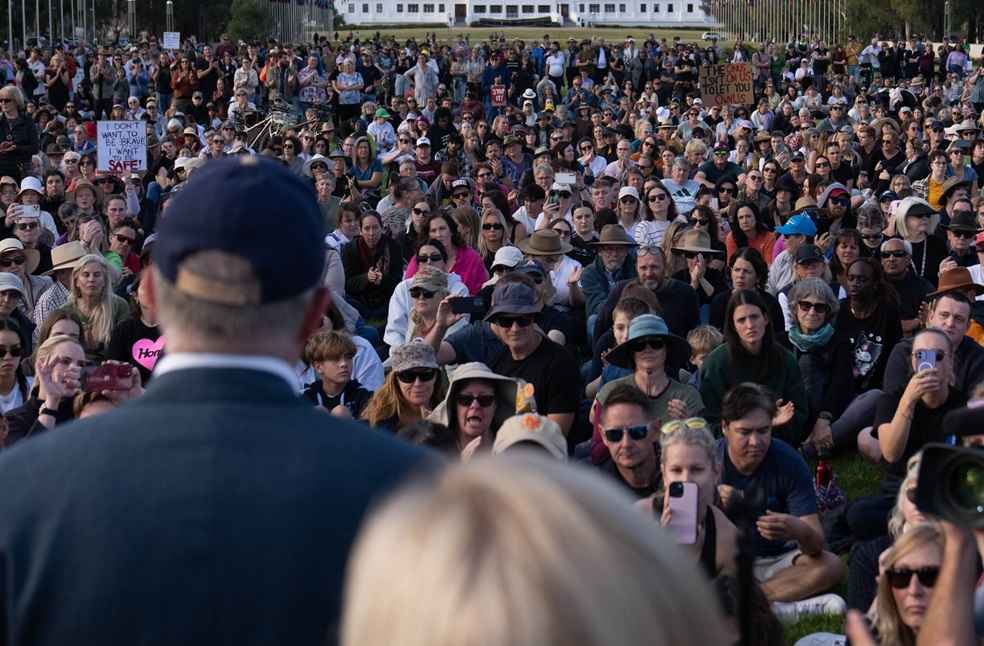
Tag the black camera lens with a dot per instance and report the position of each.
(966, 485)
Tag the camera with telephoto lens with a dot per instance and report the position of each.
(951, 478)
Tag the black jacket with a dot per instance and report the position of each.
(24, 133)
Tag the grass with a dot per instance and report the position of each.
(478, 34)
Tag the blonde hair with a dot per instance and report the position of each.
(47, 348)
(501, 218)
(327, 345)
(884, 614)
(99, 326)
(703, 339)
(896, 521)
(482, 554)
(388, 401)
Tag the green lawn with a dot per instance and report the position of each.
(477, 34)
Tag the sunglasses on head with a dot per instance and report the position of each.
(819, 308)
(12, 350)
(638, 345)
(434, 257)
(521, 321)
(615, 435)
(900, 578)
(466, 401)
(417, 374)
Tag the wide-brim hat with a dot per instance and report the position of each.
(952, 184)
(614, 235)
(957, 279)
(545, 242)
(696, 241)
(66, 256)
(649, 326)
(967, 125)
(963, 221)
(33, 255)
(762, 136)
(314, 160)
(80, 184)
(30, 183)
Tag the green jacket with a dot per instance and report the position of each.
(719, 375)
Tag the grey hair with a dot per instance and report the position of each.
(817, 288)
(905, 245)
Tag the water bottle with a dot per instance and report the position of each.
(825, 473)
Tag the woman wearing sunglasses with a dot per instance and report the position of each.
(413, 388)
(13, 382)
(477, 404)
(413, 305)
(652, 354)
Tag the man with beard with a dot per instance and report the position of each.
(629, 432)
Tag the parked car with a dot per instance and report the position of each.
(710, 35)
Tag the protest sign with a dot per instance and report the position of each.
(122, 146)
(726, 84)
(172, 40)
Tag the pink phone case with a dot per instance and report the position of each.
(683, 522)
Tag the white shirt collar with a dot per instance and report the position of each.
(187, 360)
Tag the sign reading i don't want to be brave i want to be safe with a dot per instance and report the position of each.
(122, 146)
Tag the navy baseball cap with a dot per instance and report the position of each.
(231, 205)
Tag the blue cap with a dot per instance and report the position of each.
(800, 224)
(232, 205)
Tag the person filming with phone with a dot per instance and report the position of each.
(770, 479)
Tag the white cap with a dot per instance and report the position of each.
(423, 141)
(507, 257)
(628, 190)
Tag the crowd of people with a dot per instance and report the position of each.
(556, 247)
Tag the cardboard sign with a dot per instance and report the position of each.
(726, 84)
(172, 40)
(122, 146)
(497, 93)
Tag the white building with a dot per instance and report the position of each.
(648, 13)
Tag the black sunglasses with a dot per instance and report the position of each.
(492, 226)
(508, 321)
(819, 308)
(434, 257)
(420, 292)
(900, 578)
(638, 345)
(12, 350)
(637, 433)
(963, 234)
(418, 374)
(467, 400)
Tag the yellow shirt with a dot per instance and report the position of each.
(934, 190)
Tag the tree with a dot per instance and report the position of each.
(250, 20)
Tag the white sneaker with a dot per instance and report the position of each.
(825, 604)
(822, 639)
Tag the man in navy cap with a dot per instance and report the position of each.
(219, 507)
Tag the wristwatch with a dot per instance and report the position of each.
(47, 411)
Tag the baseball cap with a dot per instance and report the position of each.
(808, 253)
(512, 298)
(888, 196)
(381, 112)
(11, 282)
(531, 428)
(460, 183)
(239, 224)
(628, 190)
(423, 141)
(507, 257)
(800, 224)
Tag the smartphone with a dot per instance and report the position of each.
(683, 505)
(552, 199)
(467, 304)
(925, 360)
(107, 376)
(29, 210)
(566, 178)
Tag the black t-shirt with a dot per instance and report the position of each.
(873, 339)
(926, 426)
(912, 290)
(137, 344)
(551, 369)
(354, 397)
(208, 82)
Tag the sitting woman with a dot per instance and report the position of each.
(688, 454)
(825, 361)
(462, 259)
(749, 229)
(413, 388)
(13, 382)
(428, 287)
(477, 404)
(58, 365)
(332, 355)
(747, 270)
(91, 298)
(372, 262)
(751, 354)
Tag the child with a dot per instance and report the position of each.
(702, 340)
(331, 353)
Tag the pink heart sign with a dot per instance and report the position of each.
(146, 352)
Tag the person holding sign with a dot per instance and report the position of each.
(18, 134)
(312, 84)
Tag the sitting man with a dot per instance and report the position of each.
(510, 344)
(613, 264)
(774, 481)
(628, 431)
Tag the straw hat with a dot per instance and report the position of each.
(66, 256)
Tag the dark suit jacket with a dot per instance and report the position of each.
(219, 508)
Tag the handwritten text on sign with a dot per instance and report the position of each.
(726, 84)
(122, 146)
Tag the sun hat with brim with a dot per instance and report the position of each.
(8, 245)
(514, 299)
(30, 183)
(7, 179)
(316, 158)
(696, 241)
(80, 184)
(67, 256)
(505, 394)
(545, 242)
(10, 282)
(963, 221)
(648, 326)
(531, 428)
(614, 235)
(957, 279)
(382, 113)
(416, 354)
(967, 125)
(952, 184)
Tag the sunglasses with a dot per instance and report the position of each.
(638, 345)
(900, 578)
(842, 201)
(721, 153)
(434, 257)
(628, 199)
(422, 375)
(420, 292)
(894, 254)
(465, 401)
(14, 260)
(823, 165)
(421, 211)
(508, 321)
(755, 178)
(728, 190)
(27, 226)
(700, 222)
(963, 234)
(494, 226)
(12, 350)
(658, 197)
(637, 433)
(819, 308)
(124, 239)
(461, 195)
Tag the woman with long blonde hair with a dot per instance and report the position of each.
(92, 299)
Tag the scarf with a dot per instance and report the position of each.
(812, 341)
